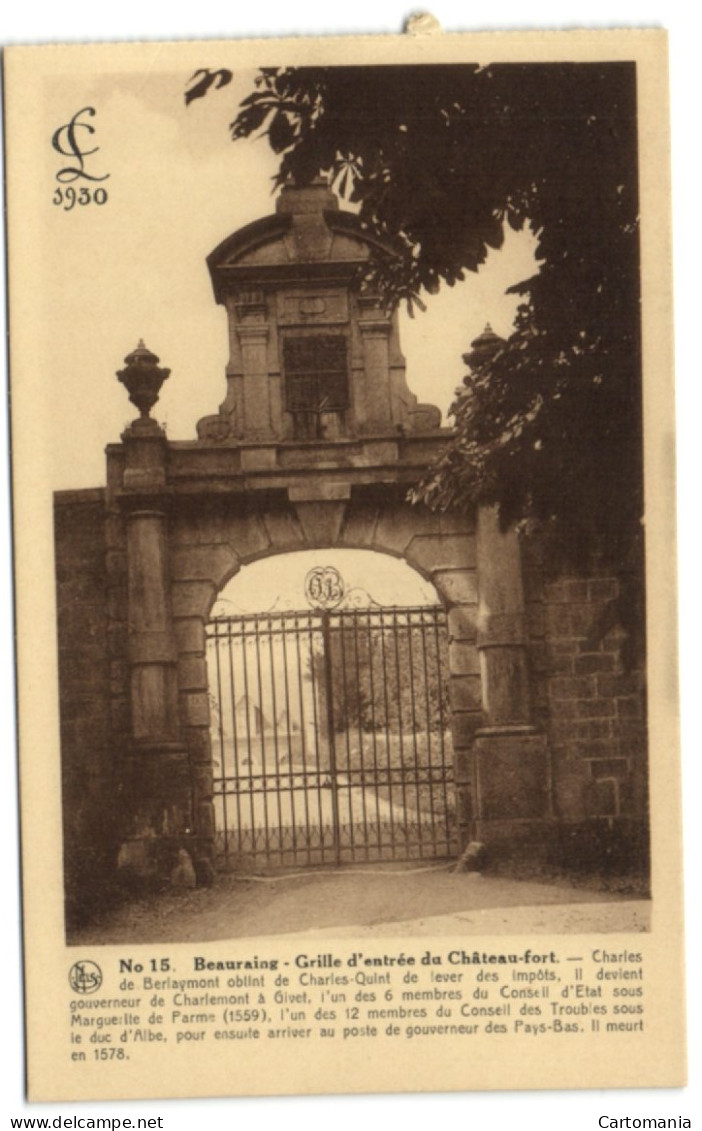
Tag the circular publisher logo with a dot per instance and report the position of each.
(85, 977)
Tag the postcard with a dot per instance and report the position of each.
(342, 429)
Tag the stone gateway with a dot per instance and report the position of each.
(315, 446)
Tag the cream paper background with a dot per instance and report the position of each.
(44, 899)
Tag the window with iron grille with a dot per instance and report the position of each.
(316, 378)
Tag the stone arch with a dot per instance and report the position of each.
(211, 547)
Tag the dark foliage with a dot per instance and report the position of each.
(439, 159)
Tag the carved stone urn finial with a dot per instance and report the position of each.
(484, 347)
(142, 378)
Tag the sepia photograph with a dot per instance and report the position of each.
(381, 610)
(342, 393)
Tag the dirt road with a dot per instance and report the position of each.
(365, 902)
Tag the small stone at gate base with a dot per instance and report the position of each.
(473, 858)
(204, 871)
(183, 875)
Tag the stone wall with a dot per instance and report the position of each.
(84, 685)
(588, 682)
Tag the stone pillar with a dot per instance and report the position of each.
(376, 366)
(158, 772)
(257, 395)
(501, 632)
(158, 794)
(152, 653)
(510, 756)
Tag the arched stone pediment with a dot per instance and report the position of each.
(312, 356)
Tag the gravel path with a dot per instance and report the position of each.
(372, 901)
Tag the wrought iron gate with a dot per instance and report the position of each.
(330, 736)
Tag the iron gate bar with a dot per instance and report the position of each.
(414, 717)
(235, 739)
(440, 708)
(347, 736)
(330, 735)
(315, 732)
(221, 733)
(403, 784)
(275, 731)
(287, 710)
(302, 731)
(373, 724)
(387, 734)
(248, 742)
(423, 639)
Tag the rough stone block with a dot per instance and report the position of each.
(359, 525)
(596, 708)
(535, 617)
(463, 658)
(189, 633)
(630, 707)
(398, 525)
(380, 453)
(463, 765)
(457, 586)
(116, 605)
(576, 591)
(115, 535)
(628, 797)
(573, 687)
(463, 727)
(197, 741)
(203, 563)
(512, 842)
(556, 592)
(455, 522)
(195, 709)
(116, 564)
(596, 748)
(464, 805)
(602, 798)
(201, 777)
(247, 536)
(258, 459)
(570, 788)
(441, 551)
(583, 730)
(603, 589)
(538, 658)
(192, 598)
(512, 777)
(582, 619)
(205, 820)
(632, 731)
(558, 620)
(284, 531)
(608, 767)
(321, 522)
(569, 708)
(559, 662)
(461, 622)
(591, 662)
(465, 693)
(624, 684)
(192, 673)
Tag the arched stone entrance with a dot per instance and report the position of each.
(330, 721)
(441, 549)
